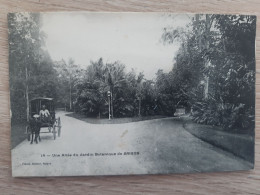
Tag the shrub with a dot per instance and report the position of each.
(226, 115)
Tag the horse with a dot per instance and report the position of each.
(35, 126)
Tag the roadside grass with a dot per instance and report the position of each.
(114, 120)
(204, 127)
(238, 142)
(18, 133)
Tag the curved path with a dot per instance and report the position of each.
(153, 146)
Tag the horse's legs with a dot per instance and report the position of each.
(36, 137)
(32, 138)
(38, 133)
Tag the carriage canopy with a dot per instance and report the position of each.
(37, 103)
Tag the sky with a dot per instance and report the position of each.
(134, 39)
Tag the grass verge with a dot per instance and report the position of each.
(114, 120)
(18, 133)
(240, 144)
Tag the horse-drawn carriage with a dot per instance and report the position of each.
(37, 107)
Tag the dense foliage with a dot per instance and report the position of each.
(31, 68)
(126, 91)
(213, 74)
(216, 69)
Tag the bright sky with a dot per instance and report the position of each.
(134, 39)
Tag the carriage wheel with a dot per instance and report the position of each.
(28, 132)
(59, 127)
(54, 132)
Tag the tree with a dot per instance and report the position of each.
(116, 81)
(69, 75)
(92, 91)
(139, 91)
(31, 71)
(220, 48)
(126, 90)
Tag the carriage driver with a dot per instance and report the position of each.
(44, 114)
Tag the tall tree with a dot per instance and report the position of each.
(116, 82)
(28, 61)
(92, 92)
(70, 75)
(101, 78)
(219, 47)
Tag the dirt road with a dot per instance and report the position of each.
(153, 146)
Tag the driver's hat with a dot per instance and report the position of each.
(36, 116)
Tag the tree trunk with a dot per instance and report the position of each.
(206, 46)
(70, 95)
(206, 92)
(198, 31)
(27, 95)
(206, 89)
(139, 109)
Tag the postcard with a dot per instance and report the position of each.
(103, 93)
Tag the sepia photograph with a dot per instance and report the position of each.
(123, 93)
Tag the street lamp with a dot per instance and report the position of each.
(139, 105)
(109, 95)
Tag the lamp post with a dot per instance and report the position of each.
(109, 95)
(139, 106)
